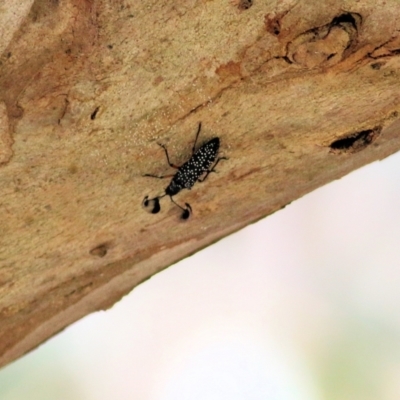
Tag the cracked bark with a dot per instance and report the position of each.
(299, 95)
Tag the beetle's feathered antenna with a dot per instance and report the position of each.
(154, 203)
(186, 211)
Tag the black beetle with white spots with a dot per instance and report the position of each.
(202, 162)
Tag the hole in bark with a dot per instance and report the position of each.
(94, 113)
(357, 141)
(245, 4)
(272, 23)
(348, 18)
(377, 65)
(101, 250)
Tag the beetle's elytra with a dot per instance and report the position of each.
(196, 169)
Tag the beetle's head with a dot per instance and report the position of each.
(172, 189)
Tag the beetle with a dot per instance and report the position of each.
(201, 163)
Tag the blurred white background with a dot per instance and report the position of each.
(303, 305)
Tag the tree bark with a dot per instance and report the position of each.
(300, 93)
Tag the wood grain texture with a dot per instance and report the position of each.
(89, 87)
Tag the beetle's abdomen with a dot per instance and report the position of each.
(189, 173)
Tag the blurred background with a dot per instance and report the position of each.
(303, 305)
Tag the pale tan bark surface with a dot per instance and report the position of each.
(88, 88)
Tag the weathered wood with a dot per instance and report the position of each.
(299, 93)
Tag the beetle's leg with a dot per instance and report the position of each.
(159, 177)
(212, 169)
(186, 211)
(166, 153)
(195, 141)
